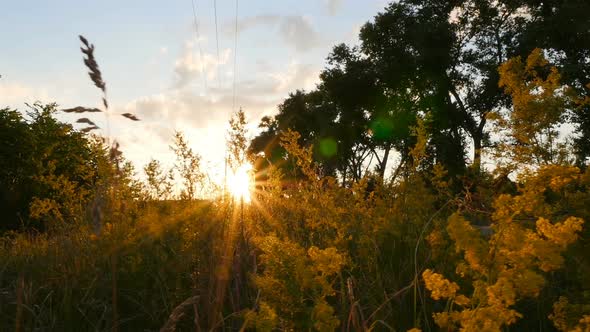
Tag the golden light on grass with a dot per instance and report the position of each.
(240, 183)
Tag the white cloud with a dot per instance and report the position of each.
(355, 34)
(297, 76)
(14, 94)
(184, 108)
(295, 30)
(190, 65)
(299, 32)
(333, 6)
(202, 119)
(203, 116)
(187, 108)
(253, 21)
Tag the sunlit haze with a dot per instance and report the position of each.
(155, 67)
(240, 183)
(295, 165)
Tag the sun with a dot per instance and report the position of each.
(240, 182)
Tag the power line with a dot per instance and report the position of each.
(235, 59)
(199, 45)
(217, 43)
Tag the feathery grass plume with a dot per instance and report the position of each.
(88, 129)
(115, 157)
(86, 120)
(96, 78)
(130, 116)
(81, 109)
(94, 71)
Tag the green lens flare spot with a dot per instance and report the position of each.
(328, 147)
(382, 128)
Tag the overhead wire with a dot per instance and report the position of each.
(217, 44)
(201, 58)
(235, 59)
(234, 67)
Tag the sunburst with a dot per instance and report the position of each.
(240, 183)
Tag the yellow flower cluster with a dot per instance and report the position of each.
(508, 266)
(265, 320)
(563, 319)
(563, 233)
(440, 287)
(559, 315)
(296, 283)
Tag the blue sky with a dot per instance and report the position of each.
(149, 56)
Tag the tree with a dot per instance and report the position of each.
(236, 141)
(188, 165)
(47, 169)
(562, 28)
(539, 107)
(297, 112)
(159, 182)
(16, 151)
(371, 120)
(437, 60)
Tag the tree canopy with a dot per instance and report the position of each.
(47, 169)
(433, 60)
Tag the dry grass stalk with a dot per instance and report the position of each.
(20, 288)
(355, 316)
(114, 287)
(178, 313)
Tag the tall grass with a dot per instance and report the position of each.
(309, 256)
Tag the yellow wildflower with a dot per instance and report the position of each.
(439, 286)
(462, 300)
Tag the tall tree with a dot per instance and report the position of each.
(562, 28)
(188, 165)
(159, 182)
(236, 140)
(437, 60)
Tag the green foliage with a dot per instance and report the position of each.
(237, 141)
(47, 171)
(188, 165)
(312, 256)
(159, 183)
(327, 243)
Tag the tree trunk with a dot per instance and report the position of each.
(476, 154)
(383, 163)
(477, 145)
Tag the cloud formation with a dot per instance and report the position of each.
(190, 65)
(295, 30)
(256, 96)
(333, 6)
(297, 76)
(13, 94)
